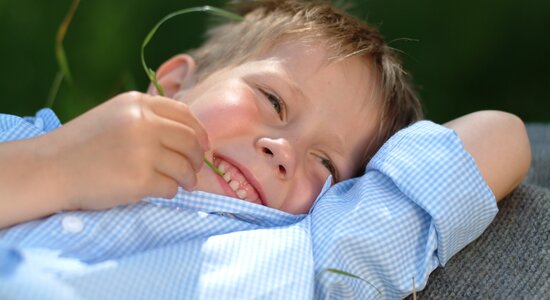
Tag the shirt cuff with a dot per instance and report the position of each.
(16, 128)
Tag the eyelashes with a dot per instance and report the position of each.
(278, 105)
(327, 163)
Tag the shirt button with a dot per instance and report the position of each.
(72, 224)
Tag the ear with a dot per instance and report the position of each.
(175, 75)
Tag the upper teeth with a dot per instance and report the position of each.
(238, 187)
(235, 185)
(227, 177)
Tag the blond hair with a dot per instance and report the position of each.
(268, 22)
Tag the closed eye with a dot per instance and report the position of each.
(276, 102)
(327, 163)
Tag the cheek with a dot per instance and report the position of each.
(226, 113)
(301, 197)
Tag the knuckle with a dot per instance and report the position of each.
(136, 118)
(134, 95)
(128, 97)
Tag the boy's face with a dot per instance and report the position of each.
(279, 125)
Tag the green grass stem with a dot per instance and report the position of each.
(151, 73)
(211, 165)
(64, 71)
(59, 50)
(344, 273)
(209, 9)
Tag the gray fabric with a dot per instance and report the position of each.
(511, 259)
(539, 173)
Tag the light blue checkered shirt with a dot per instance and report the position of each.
(420, 201)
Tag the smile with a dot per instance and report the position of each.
(235, 182)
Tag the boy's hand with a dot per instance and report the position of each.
(130, 147)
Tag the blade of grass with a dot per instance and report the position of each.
(64, 71)
(340, 272)
(151, 73)
(344, 273)
(211, 165)
(210, 9)
(414, 289)
(59, 50)
(54, 89)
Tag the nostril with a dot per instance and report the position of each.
(267, 151)
(282, 170)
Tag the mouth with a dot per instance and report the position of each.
(237, 181)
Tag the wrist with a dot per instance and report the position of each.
(52, 174)
(28, 189)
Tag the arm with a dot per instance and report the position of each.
(130, 147)
(25, 183)
(499, 144)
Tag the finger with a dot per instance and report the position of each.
(163, 186)
(176, 167)
(183, 140)
(180, 112)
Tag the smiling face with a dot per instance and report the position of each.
(281, 123)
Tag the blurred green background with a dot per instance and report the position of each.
(464, 55)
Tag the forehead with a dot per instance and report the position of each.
(337, 98)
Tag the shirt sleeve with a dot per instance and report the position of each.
(422, 199)
(15, 128)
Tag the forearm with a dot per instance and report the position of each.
(499, 144)
(27, 183)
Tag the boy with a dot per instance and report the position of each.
(295, 94)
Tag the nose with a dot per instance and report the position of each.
(280, 155)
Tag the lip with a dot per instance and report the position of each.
(247, 175)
